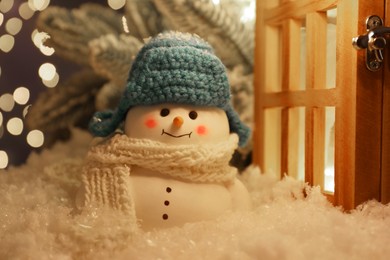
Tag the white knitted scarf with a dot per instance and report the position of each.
(108, 166)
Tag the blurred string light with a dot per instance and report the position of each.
(125, 26)
(38, 39)
(47, 71)
(1, 125)
(1, 18)
(35, 138)
(249, 12)
(116, 4)
(246, 9)
(21, 94)
(13, 25)
(25, 11)
(7, 42)
(25, 110)
(6, 5)
(7, 102)
(3, 159)
(38, 5)
(15, 126)
(52, 82)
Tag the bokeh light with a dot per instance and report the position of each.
(3, 159)
(38, 5)
(25, 11)
(35, 138)
(19, 92)
(53, 82)
(25, 110)
(1, 19)
(116, 4)
(125, 25)
(249, 12)
(15, 126)
(7, 102)
(6, 5)
(39, 38)
(47, 71)
(21, 95)
(48, 51)
(13, 25)
(7, 42)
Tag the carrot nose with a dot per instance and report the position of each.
(178, 121)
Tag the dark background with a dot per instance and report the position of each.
(19, 67)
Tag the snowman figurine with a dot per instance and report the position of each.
(170, 164)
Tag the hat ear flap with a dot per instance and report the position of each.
(103, 123)
(237, 126)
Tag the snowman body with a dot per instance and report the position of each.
(165, 201)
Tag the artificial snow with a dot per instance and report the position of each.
(38, 220)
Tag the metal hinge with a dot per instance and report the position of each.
(373, 42)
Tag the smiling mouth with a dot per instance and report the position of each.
(175, 136)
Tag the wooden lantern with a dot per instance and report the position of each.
(291, 133)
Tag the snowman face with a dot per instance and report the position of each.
(177, 124)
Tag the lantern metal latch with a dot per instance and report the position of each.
(374, 42)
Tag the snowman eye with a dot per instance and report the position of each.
(193, 115)
(164, 112)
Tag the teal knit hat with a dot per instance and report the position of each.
(176, 68)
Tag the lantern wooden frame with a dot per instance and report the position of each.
(359, 97)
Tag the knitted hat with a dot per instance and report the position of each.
(176, 68)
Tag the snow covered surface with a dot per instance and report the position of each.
(38, 221)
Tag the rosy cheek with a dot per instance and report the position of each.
(150, 123)
(201, 130)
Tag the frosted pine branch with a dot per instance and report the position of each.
(242, 93)
(69, 104)
(232, 41)
(108, 96)
(111, 56)
(143, 19)
(71, 30)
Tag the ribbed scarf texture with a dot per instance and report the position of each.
(108, 167)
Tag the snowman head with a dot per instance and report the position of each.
(178, 124)
(181, 72)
